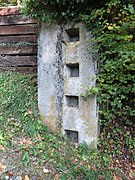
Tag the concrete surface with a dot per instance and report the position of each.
(66, 65)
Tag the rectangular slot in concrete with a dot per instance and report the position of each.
(72, 35)
(73, 70)
(72, 135)
(72, 101)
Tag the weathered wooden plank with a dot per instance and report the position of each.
(16, 19)
(15, 39)
(18, 29)
(4, 11)
(22, 70)
(18, 61)
(24, 30)
(15, 50)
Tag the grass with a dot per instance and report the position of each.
(29, 150)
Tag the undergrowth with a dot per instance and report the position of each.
(35, 150)
(8, 3)
(112, 24)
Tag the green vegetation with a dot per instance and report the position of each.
(113, 28)
(8, 2)
(56, 10)
(27, 147)
(112, 23)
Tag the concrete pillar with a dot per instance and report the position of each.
(66, 65)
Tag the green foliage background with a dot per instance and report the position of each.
(112, 23)
(8, 2)
(113, 27)
(21, 131)
(54, 10)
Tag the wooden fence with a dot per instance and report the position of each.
(18, 41)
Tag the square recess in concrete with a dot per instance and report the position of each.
(72, 135)
(72, 101)
(72, 35)
(73, 70)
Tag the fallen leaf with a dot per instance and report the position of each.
(75, 160)
(2, 167)
(82, 163)
(46, 170)
(52, 151)
(117, 161)
(26, 177)
(24, 141)
(8, 173)
(30, 112)
(114, 177)
(56, 176)
(119, 178)
(2, 148)
(100, 177)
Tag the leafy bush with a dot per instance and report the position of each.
(112, 25)
(113, 29)
(8, 2)
(56, 10)
(15, 88)
(29, 147)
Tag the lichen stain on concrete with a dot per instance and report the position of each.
(71, 53)
(49, 121)
(58, 75)
(90, 122)
(52, 104)
(50, 71)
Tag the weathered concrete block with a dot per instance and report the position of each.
(66, 64)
